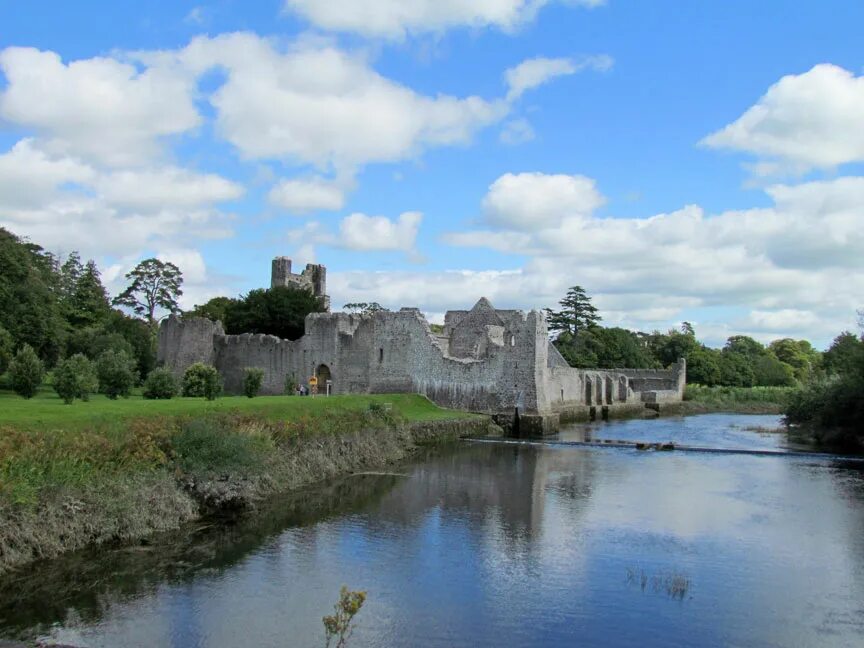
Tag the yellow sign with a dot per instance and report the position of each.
(313, 380)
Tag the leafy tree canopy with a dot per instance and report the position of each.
(364, 307)
(279, 311)
(154, 284)
(216, 309)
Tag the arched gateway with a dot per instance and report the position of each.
(322, 373)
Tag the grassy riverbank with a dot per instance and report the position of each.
(107, 471)
(741, 400)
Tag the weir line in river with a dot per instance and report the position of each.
(663, 447)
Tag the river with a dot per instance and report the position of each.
(501, 544)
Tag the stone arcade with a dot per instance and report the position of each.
(486, 360)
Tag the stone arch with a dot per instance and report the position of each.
(322, 372)
(589, 391)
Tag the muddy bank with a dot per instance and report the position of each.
(127, 508)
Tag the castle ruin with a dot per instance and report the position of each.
(487, 360)
(312, 278)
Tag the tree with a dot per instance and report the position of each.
(70, 274)
(365, 307)
(29, 307)
(279, 311)
(88, 303)
(252, 379)
(617, 347)
(116, 372)
(26, 372)
(6, 346)
(577, 312)
(201, 379)
(798, 354)
(744, 345)
(769, 371)
(75, 377)
(160, 384)
(704, 366)
(736, 370)
(844, 354)
(216, 309)
(673, 346)
(155, 284)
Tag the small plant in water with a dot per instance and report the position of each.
(674, 584)
(337, 626)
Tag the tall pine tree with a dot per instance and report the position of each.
(577, 313)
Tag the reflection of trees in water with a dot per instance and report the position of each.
(87, 583)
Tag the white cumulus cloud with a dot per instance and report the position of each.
(101, 109)
(395, 19)
(304, 195)
(531, 201)
(317, 104)
(805, 121)
(362, 232)
(155, 188)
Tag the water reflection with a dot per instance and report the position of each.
(490, 545)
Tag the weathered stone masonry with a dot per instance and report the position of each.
(486, 360)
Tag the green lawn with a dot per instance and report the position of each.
(47, 410)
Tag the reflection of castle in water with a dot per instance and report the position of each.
(497, 488)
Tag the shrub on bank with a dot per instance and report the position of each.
(200, 379)
(252, 379)
(160, 384)
(204, 446)
(833, 408)
(116, 372)
(26, 372)
(75, 377)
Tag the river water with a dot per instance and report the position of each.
(501, 544)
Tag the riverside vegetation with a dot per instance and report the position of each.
(119, 470)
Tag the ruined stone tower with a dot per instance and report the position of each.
(313, 278)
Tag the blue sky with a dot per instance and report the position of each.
(697, 161)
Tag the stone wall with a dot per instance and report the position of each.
(488, 360)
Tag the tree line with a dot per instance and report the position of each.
(742, 362)
(56, 314)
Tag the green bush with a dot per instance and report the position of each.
(116, 372)
(75, 377)
(290, 384)
(160, 384)
(26, 372)
(200, 379)
(252, 379)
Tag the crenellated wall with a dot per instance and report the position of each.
(488, 360)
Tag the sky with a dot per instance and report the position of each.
(680, 160)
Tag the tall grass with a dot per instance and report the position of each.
(737, 395)
(34, 462)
